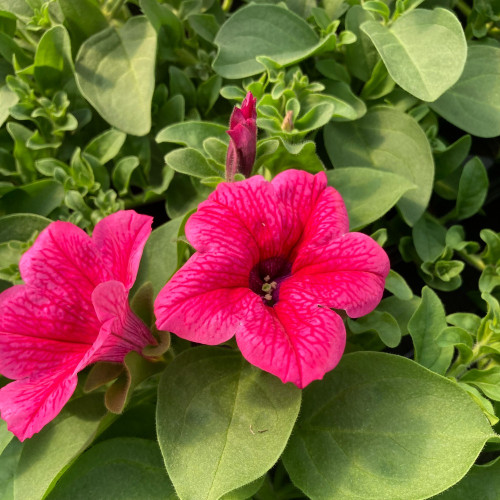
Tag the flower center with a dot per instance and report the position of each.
(266, 277)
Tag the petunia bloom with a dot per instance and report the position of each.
(273, 259)
(72, 311)
(243, 144)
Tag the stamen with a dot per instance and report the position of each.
(268, 296)
(267, 278)
(273, 285)
(267, 287)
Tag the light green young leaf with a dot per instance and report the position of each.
(368, 193)
(106, 146)
(487, 380)
(381, 426)
(192, 134)
(115, 73)
(53, 60)
(472, 104)
(263, 30)
(397, 285)
(47, 453)
(7, 100)
(190, 161)
(472, 189)
(388, 140)
(122, 172)
(383, 323)
(424, 50)
(425, 325)
(130, 468)
(237, 420)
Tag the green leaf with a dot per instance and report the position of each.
(367, 193)
(115, 73)
(8, 465)
(192, 134)
(50, 451)
(361, 56)
(424, 50)
(190, 161)
(159, 258)
(21, 227)
(236, 421)
(263, 30)
(482, 481)
(83, 18)
(53, 62)
(381, 426)
(472, 103)
(39, 197)
(381, 322)
(397, 285)
(448, 160)
(429, 238)
(106, 146)
(486, 380)
(472, 189)
(347, 106)
(7, 100)
(205, 25)
(5, 436)
(123, 172)
(388, 140)
(425, 325)
(130, 468)
(400, 310)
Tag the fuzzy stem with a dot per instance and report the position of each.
(473, 260)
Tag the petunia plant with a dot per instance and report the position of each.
(249, 250)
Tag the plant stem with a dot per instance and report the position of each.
(226, 5)
(116, 5)
(464, 8)
(473, 260)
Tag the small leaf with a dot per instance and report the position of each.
(122, 172)
(397, 285)
(190, 161)
(425, 325)
(472, 189)
(381, 322)
(429, 238)
(487, 380)
(192, 134)
(106, 146)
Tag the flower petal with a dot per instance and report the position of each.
(121, 331)
(243, 218)
(295, 340)
(64, 261)
(29, 404)
(120, 238)
(313, 212)
(348, 273)
(205, 300)
(39, 331)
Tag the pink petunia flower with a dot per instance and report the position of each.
(243, 144)
(72, 311)
(272, 260)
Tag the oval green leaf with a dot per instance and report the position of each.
(130, 468)
(380, 426)
(21, 227)
(115, 73)
(236, 421)
(472, 104)
(192, 134)
(424, 50)
(389, 140)
(263, 30)
(47, 453)
(367, 193)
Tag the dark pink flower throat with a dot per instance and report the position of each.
(266, 277)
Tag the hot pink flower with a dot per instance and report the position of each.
(272, 259)
(72, 311)
(243, 144)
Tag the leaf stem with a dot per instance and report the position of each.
(464, 8)
(473, 260)
(226, 5)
